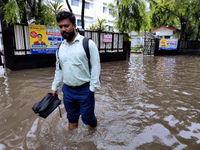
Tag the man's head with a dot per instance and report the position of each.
(66, 21)
(39, 36)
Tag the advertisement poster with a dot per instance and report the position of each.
(107, 38)
(44, 40)
(54, 37)
(168, 44)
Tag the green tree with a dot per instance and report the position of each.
(24, 11)
(11, 12)
(196, 15)
(176, 13)
(130, 14)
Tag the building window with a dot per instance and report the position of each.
(110, 29)
(75, 2)
(105, 10)
(87, 5)
(110, 11)
(79, 23)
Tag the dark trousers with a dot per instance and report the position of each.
(79, 102)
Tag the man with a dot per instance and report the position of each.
(39, 42)
(80, 80)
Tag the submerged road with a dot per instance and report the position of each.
(146, 103)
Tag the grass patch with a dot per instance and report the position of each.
(133, 50)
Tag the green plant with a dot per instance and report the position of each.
(99, 26)
(11, 12)
(137, 46)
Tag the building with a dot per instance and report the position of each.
(166, 33)
(93, 9)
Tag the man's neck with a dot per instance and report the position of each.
(70, 41)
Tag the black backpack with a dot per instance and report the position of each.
(86, 48)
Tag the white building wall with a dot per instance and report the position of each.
(163, 33)
(97, 9)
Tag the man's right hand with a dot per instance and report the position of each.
(53, 93)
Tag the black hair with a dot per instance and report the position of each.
(66, 15)
(40, 35)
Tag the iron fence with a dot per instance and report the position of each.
(187, 45)
(22, 40)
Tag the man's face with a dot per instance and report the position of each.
(39, 38)
(67, 29)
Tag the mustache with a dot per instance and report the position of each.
(65, 32)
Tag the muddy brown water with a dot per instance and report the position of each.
(146, 103)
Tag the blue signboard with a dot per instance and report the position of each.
(44, 51)
(168, 44)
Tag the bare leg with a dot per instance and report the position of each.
(73, 126)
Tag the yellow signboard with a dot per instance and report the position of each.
(163, 43)
(38, 37)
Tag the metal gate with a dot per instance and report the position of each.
(149, 44)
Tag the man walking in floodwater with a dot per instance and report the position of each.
(72, 68)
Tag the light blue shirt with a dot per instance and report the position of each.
(74, 64)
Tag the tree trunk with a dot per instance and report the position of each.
(183, 25)
(82, 14)
(68, 5)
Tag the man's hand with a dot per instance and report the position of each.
(53, 93)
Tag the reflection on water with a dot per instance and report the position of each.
(147, 103)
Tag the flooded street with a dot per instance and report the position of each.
(146, 103)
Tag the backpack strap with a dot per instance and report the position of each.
(86, 48)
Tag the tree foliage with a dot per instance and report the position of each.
(130, 14)
(176, 13)
(11, 12)
(31, 11)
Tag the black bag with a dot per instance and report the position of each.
(47, 105)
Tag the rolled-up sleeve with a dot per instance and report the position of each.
(95, 66)
(58, 77)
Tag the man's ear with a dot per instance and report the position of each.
(75, 26)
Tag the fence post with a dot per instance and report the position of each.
(99, 39)
(0, 59)
(118, 43)
(156, 46)
(178, 46)
(112, 41)
(24, 40)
